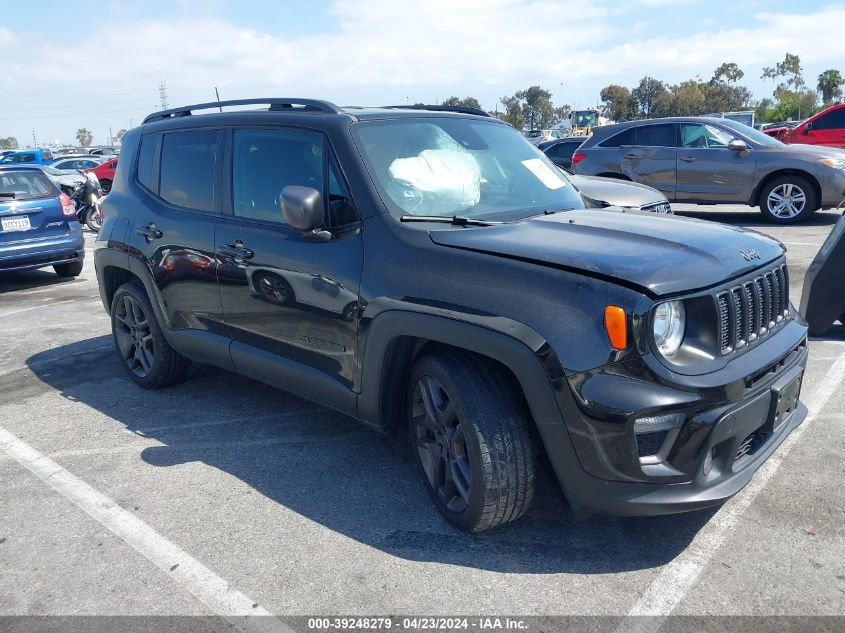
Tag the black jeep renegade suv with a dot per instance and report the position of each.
(430, 272)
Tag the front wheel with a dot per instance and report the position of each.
(68, 270)
(469, 430)
(105, 185)
(144, 353)
(788, 200)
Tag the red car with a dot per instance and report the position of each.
(825, 128)
(105, 174)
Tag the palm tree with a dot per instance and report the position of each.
(830, 85)
(84, 137)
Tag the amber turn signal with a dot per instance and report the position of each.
(617, 326)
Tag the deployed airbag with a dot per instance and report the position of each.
(435, 182)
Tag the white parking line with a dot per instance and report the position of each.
(209, 588)
(679, 576)
(45, 305)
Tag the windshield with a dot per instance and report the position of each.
(585, 118)
(450, 166)
(52, 171)
(751, 134)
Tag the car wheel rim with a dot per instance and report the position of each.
(441, 444)
(273, 289)
(786, 201)
(134, 338)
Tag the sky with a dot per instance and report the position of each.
(99, 66)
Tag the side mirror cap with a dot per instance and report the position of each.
(737, 145)
(807, 128)
(302, 208)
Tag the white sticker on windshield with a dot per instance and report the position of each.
(544, 173)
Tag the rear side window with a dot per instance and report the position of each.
(564, 150)
(626, 137)
(655, 135)
(25, 186)
(146, 162)
(188, 164)
(831, 121)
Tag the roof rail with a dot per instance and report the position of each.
(275, 103)
(441, 108)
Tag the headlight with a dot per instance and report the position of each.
(668, 326)
(837, 163)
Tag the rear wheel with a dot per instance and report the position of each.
(93, 219)
(469, 430)
(788, 199)
(144, 353)
(68, 270)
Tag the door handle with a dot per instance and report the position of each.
(149, 232)
(631, 156)
(237, 251)
(687, 159)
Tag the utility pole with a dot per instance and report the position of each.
(162, 93)
(216, 92)
(34, 139)
(111, 137)
(131, 123)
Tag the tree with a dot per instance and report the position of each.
(466, 102)
(793, 91)
(537, 106)
(728, 72)
(561, 113)
(615, 100)
(688, 98)
(120, 134)
(84, 136)
(513, 111)
(10, 142)
(651, 97)
(830, 85)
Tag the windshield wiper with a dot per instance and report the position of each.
(7, 194)
(455, 220)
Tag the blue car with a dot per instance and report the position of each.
(38, 225)
(28, 157)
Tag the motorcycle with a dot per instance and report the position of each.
(87, 197)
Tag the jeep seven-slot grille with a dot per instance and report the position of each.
(753, 309)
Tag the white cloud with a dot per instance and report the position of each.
(383, 48)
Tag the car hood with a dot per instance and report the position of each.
(658, 254)
(815, 151)
(617, 193)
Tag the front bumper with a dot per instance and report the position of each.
(42, 252)
(728, 432)
(832, 185)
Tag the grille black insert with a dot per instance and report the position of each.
(752, 310)
(650, 443)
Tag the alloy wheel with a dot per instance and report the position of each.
(273, 288)
(134, 337)
(786, 201)
(441, 444)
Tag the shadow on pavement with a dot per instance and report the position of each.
(332, 470)
(31, 279)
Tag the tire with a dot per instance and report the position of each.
(788, 200)
(144, 353)
(273, 288)
(92, 219)
(105, 185)
(68, 270)
(477, 459)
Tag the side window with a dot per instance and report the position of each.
(831, 121)
(146, 162)
(625, 137)
(266, 161)
(188, 164)
(655, 135)
(696, 135)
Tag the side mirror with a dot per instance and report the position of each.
(807, 128)
(302, 208)
(737, 145)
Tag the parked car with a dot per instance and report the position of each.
(28, 156)
(717, 161)
(825, 128)
(612, 192)
(67, 179)
(655, 361)
(76, 163)
(38, 226)
(105, 173)
(560, 151)
(543, 136)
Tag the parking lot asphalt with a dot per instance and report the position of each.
(223, 495)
